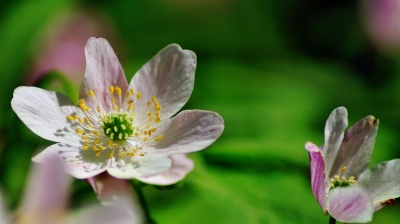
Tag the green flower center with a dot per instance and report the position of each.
(118, 125)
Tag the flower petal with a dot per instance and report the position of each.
(317, 174)
(78, 163)
(3, 213)
(111, 191)
(116, 213)
(350, 204)
(189, 131)
(169, 76)
(102, 70)
(46, 194)
(334, 131)
(139, 167)
(45, 113)
(355, 152)
(382, 182)
(181, 165)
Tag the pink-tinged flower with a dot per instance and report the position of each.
(126, 130)
(340, 179)
(46, 197)
(382, 22)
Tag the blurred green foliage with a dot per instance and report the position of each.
(274, 70)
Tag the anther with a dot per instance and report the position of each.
(91, 93)
(139, 95)
(111, 89)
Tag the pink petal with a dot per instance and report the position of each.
(382, 182)
(46, 193)
(334, 131)
(169, 76)
(189, 131)
(350, 204)
(317, 174)
(102, 70)
(78, 163)
(45, 113)
(112, 191)
(355, 152)
(181, 165)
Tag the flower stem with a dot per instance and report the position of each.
(332, 220)
(137, 185)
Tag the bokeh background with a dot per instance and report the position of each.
(274, 70)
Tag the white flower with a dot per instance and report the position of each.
(126, 130)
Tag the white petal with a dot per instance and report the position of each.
(102, 70)
(355, 152)
(382, 181)
(116, 213)
(350, 204)
(181, 165)
(45, 113)
(79, 163)
(169, 76)
(189, 131)
(334, 132)
(139, 167)
(111, 191)
(46, 193)
(3, 213)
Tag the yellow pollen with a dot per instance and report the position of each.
(130, 106)
(342, 170)
(149, 113)
(109, 142)
(111, 155)
(137, 134)
(101, 147)
(157, 120)
(132, 92)
(153, 130)
(148, 103)
(145, 139)
(139, 95)
(80, 120)
(157, 106)
(150, 118)
(141, 154)
(70, 117)
(98, 109)
(114, 145)
(85, 147)
(111, 89)
(78, 131)
(127, 95)
(118, 90)
(86, 119)
(158, 138)
(134, 149)
(120, 153)
(96, 141)
(95, 132)
(153, 98)
(95, 148)
(91, 93)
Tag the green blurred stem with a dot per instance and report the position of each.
(332, 220)
(137, 186)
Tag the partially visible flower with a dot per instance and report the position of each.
(126, 130)
(340, 179)
(382, 22)
(46, 196)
